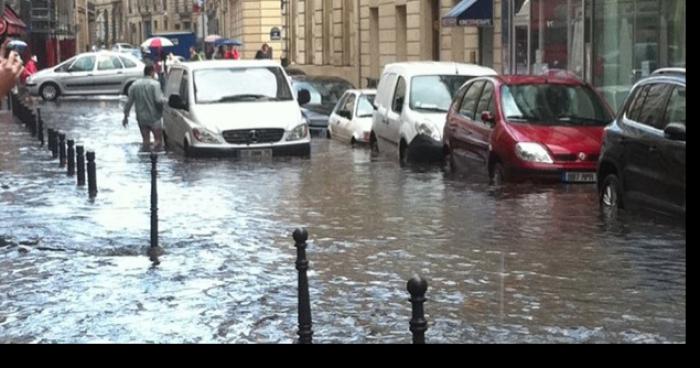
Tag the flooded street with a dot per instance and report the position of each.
(522, 263)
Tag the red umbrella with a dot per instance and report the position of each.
(157, 42)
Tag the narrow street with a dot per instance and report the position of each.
(518, 263)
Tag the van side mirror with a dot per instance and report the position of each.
(675, 132)
(175, 101)
(487, 117)
(303, 96)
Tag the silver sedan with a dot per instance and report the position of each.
(92, 73)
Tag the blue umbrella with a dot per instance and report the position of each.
(17, 44)
(228, 42)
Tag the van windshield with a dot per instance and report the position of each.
(435, 92)
(254, 84)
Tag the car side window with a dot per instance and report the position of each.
(109, 63)
(675, 112)
(459, 96)
(127, 62)
(485, 102)
(470, 100)
(184, 85)
(399, 96)
(349, 106)
(340, 105)
(637, 101)
(83, 64)
(173, 85)
(654, 106)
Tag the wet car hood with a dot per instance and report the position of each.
(561, 139)
(227, 116)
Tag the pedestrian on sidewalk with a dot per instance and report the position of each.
(146, 94)
(10, 69)
(29, 69)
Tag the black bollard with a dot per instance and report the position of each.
(92, 175)
(300, 236)
(80, 158)
(61, 149)
(34, 125)
(154, 200)
(40, 127)
(71, 158)
(417, 287)
(54, 144)
(49, 131)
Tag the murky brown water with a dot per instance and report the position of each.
(512, 264)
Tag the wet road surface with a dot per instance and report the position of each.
(513, 264)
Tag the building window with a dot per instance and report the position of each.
(401, 32)
(177, 26)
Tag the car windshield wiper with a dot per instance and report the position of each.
(572, 118)
(430, 108)
(245, 97)
(523, 118)
(365, 116)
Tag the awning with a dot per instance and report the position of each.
(470, 13)
(10, 24)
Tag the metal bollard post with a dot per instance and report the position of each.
(417, 287)
(154, 200)
(71, 158)
(61, 149)
(34, 125)
(79, 151)
(302, 264)
(92, 175)
(51, 133)
(54, 145)
(40, 127)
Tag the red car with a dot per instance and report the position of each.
(518, 128)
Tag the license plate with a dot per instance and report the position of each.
(255, 153)
(579, 177)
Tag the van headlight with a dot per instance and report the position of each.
(428, 129)
(298, 132)
(204, 136)
(533, 152)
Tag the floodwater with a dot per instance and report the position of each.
(520, 263)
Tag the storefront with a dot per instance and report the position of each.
(609, 43)
(11, 25)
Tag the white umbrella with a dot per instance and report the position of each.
(212, 38)
(157, 42)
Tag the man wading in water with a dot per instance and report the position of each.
(149, 99)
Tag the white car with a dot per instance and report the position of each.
(351, 119)
(243, 107)
(411, 107)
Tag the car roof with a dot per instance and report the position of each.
(366, 91)
(221, 64)
(413, 68)
(667, 75)
(538, 79)
(306, 77)
(104, 52)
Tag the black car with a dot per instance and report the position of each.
(325, 93)
(642, 159)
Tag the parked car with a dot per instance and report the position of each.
(92, 73)
(128, 49)
(240, 107)
(642, 160)
(351, 120)
(325, 93)
(411, 104)
(538, 128)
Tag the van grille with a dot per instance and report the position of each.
(252, 136)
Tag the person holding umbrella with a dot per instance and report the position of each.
(10, 69)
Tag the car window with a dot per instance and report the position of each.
(341, 104)
(364, 106)
(637, 101)
(434, 93)
(316, 97)
(127, 62)
(399, 95)
(485, 102)
(350, 105)
(675, 112)
(109, 63)
(654, 106)
(241, 84)
(65, 65)
(470, 100)
(173, 85)
(83, 64)
(184, 84)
